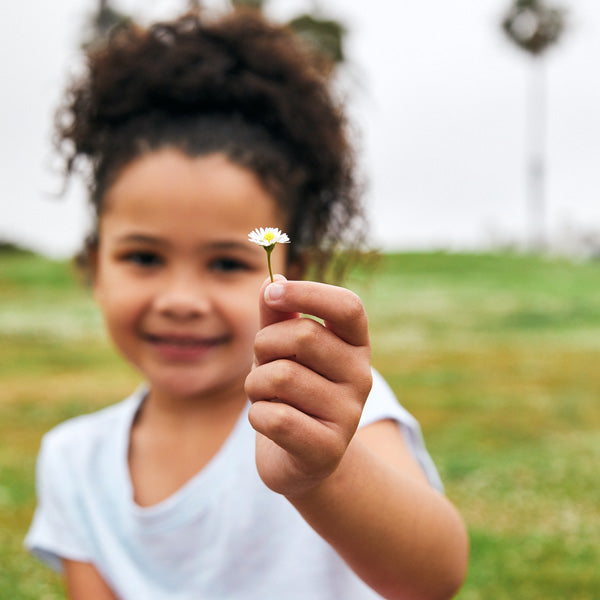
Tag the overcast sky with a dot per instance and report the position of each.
(437, 93)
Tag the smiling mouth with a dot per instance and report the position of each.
(177, 340)
(187, 347)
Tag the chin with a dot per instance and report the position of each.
(177, 387)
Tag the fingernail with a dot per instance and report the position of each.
(273, 291)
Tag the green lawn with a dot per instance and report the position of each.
(495, 354)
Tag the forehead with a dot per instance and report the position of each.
(203, 192)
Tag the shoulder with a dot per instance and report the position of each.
(80, 435)
(80, 462)
(382, 403)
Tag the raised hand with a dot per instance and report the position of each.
(309, 382)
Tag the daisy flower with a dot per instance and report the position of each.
(268, 238)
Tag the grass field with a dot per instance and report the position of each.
(496, 355)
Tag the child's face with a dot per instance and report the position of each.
(175, 276)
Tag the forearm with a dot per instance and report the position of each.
(400, 536)
(83, 582)
(308, 389)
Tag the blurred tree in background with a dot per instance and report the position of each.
(325, 35)
(102, 24)
(534, 27)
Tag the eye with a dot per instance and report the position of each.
(143, 259)
(229, 265)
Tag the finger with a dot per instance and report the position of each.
(312, 442)
(340, 309)
(311, 344)
(269, 314)
(290, 383)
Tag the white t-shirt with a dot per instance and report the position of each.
(222, 536)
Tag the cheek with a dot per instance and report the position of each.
(120, 306)
(118, 321)
(251, 324)
(245, 318)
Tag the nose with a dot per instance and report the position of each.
(182, 297)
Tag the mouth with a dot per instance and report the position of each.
(184, 347)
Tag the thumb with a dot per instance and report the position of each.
(269, 315)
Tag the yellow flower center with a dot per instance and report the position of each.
(269, 236)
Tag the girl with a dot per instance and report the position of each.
(262, 458)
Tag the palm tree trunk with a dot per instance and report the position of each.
(536, 143)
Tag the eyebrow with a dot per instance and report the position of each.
(233, 246)
(141, 238)
(229, 245)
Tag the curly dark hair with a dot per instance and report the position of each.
(236, 84)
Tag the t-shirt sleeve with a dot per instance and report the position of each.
(383, 404)
(54, 533)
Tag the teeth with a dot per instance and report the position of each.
(183, 341)
(187, 342)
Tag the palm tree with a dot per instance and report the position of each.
(325, 35)
(534, 27)
(259, 4)
(103, 23)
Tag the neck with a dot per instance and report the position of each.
(182, 413)
(172, 439)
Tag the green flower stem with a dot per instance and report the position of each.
(269, 249)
